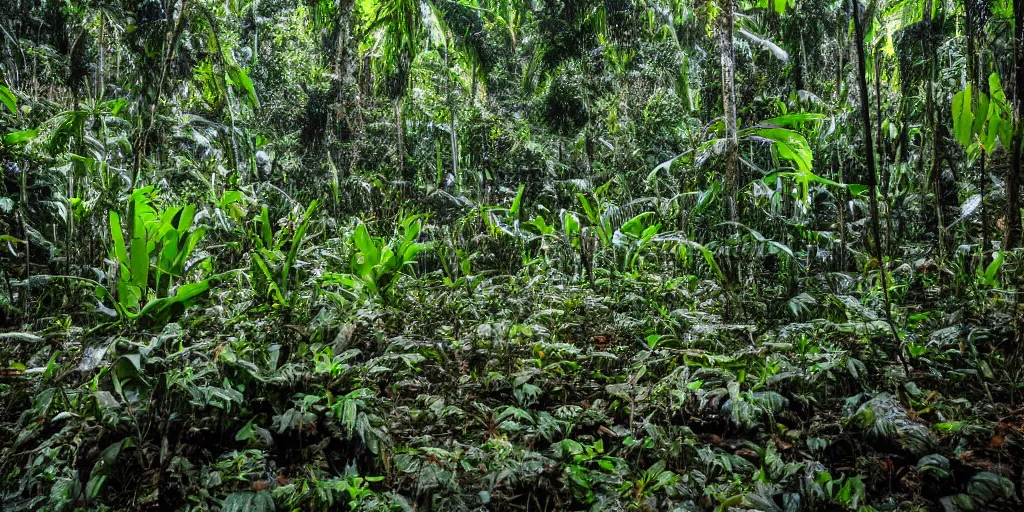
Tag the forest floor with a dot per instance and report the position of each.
(528, 390)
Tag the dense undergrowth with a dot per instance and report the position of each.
(463, 382)
(474, 255)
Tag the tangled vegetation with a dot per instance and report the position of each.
(468, 255)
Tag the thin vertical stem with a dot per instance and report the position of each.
(872, 177)
(725, 35)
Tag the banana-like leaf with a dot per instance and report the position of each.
(963, 118)
(238, 77)
(8, 99)
(789, 145)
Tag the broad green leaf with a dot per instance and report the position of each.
(856, 190)
(517, 203)
(229, 197)
(993, 269)
(8, 99)
(991, 131)
(237, 76)
(139, 255)
(262, 265)
(635, 226)
(94, 486)
(587, 208)
(158, 311)
(794, 119)
(996, 89)
(120, 251)
(980, 114)
(265, 233)
(570, 224)
(411, 251)
(19, 137)
(361, 237)
(789, 145)
(963, 118)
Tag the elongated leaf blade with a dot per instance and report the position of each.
(963, 118)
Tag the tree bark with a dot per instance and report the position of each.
(344, 64)
(400, 133)
(883, 152)
(99, 65)
(453, 137)
(1012, 226)
(725, 37)
(934, 174)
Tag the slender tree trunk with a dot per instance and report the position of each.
(99, 64)
(934, 174)
(454, 143)
(725, 35)
(872, 175)
(1012, 231)
(883, 168)
(255, 32)
(973, 78)
(843, 197)
(841, 201)
(400, 138)
(344, 64)
(883, 152)
(26, 296)
(453, 137)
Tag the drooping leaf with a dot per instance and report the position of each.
(790, 145)
(765, 43)
(963, 118)
(238, 77)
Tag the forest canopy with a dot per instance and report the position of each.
(511, 255)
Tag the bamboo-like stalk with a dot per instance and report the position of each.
(872, 177)
(728, 61)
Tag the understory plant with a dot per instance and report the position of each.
(151, 270)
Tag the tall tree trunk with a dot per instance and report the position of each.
(725, 35)
(934, 174)
(453, 137)
(400, 139)
(843, 198)
(99, 64)
(883, 152)
(26, 295)
(865, 111)
(974, 79)
(1012, 231)
(344, 65)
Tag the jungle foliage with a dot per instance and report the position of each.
(468, 255)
